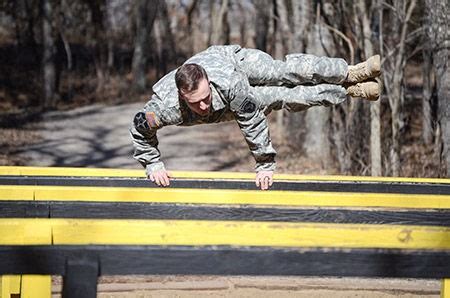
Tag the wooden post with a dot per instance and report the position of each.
(445, 291)
(36, 286)
(10, 285)
(80, 280)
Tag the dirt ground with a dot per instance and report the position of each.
(97, 136)
(261, 287)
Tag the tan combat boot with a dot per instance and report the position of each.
(360, 72)
(369, 90)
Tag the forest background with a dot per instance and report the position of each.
(61, 54)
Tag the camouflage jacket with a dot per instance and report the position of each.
(231, 99)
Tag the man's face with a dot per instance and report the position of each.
(199, 101)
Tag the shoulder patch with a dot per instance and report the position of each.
(140, 123)
(152, 120)
(146, 121)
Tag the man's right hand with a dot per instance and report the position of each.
(160, 177)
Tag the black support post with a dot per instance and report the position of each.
(80, 280)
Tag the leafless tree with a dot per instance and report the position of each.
(316, 143)
(428, 74)
(439, 38)
(48, 56)
(396, 14)
(145, 13)
(262, 19)
(363, 11)
(220, 29)
(168, 49)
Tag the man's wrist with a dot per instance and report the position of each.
(153, 167)
(267, 166)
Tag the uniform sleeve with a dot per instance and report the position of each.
(143, 133)
(252, 122)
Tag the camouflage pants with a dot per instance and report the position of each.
(300, 82)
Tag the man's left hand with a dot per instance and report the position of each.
(264, 179)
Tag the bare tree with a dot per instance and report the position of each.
(262, 19)
(428, 74)
(168, 49)
(440, 39)
(220, 29)
(375, 126)
(48, 56)
(301, 22)
(191, 13)
(98, 41)
(145, 13)
(317, 144)
(399, 13)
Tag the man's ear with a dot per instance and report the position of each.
(180, 95)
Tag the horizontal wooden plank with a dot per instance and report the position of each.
(124, 210)
(91, 172)
(234, 233)
(120, 260)
(212, 196)
(25, 231)
(323, 186)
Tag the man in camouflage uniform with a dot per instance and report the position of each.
(245, 85)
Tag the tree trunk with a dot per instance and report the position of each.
(262, 8)
(301, 11)
(375, 126)
(49, 50)
(282, 37)
(428, 73)
(219, 23)
(98, 41)
(191, 12)
(440, 61)
(393, 69)
(301, 21)
(145, 13)
(168, 49)
(317, 144)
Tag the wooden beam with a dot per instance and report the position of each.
(91, 172)
(227, 260)
(319, 186)
(199, 196)
(236, 233)
(126, 210)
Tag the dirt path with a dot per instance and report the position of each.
(97, 136)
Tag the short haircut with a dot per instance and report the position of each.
(188, 76)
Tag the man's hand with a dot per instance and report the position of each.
(160, 177)
(264, 179)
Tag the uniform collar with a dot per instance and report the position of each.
(217, 102)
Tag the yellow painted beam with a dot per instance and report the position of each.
(445, 291)
(16, 193)
(36, 286)
(94, 172)
(26, 231)
(233, 233)
(223, 196)
(10, 284)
